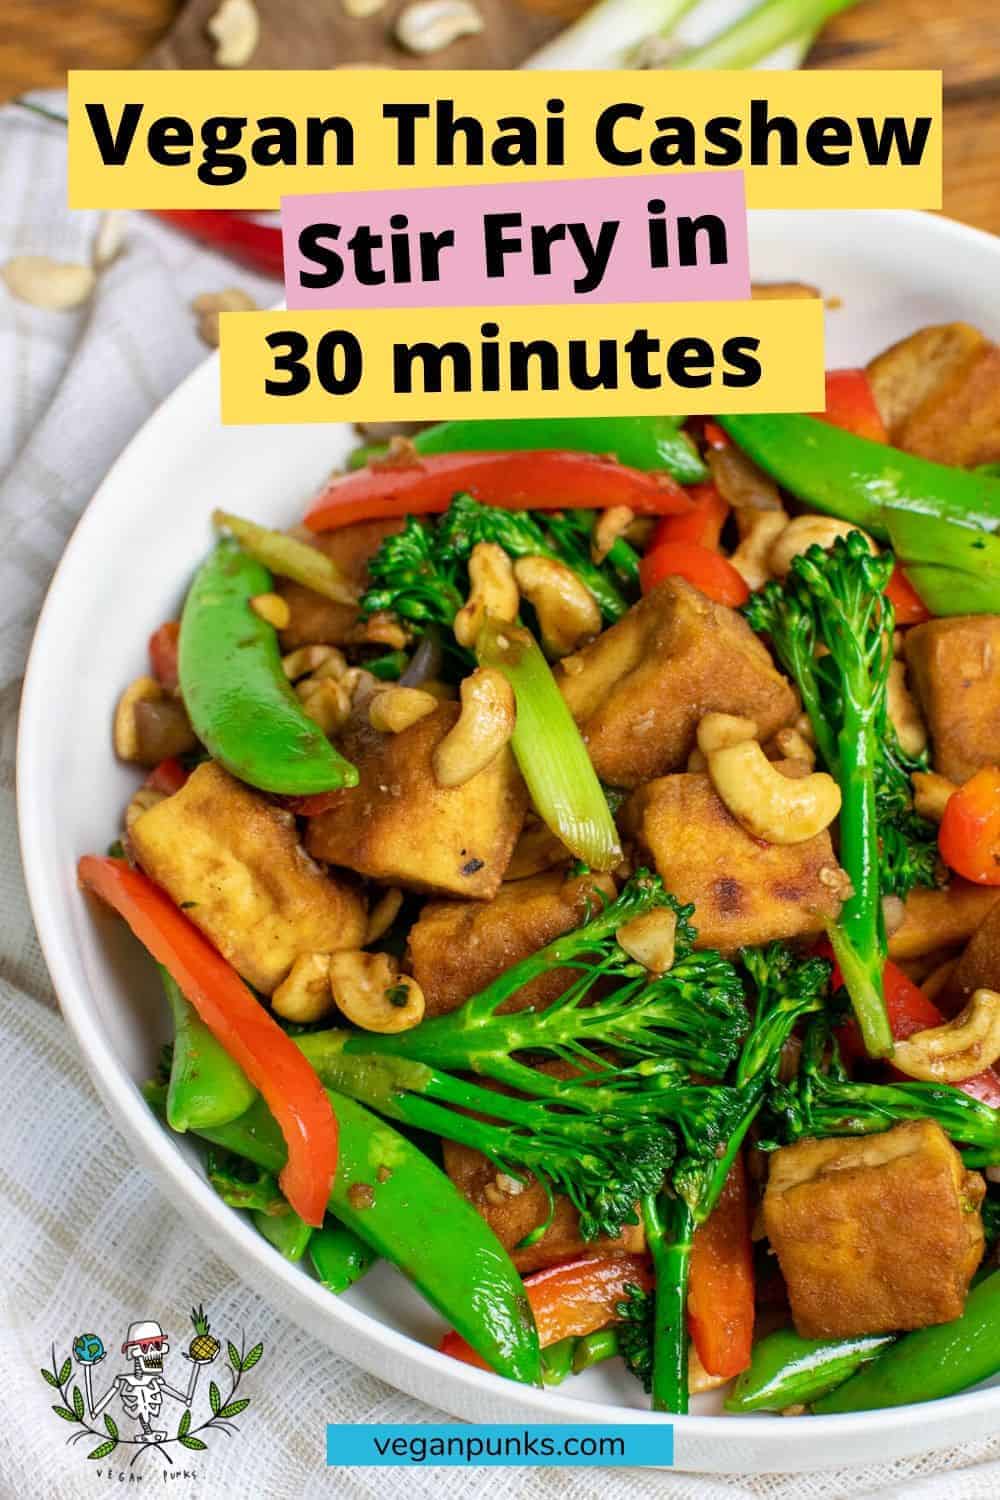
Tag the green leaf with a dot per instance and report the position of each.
(111, 1425)
(102, 1450)
(48, 1375)
(252, 1357)
(234, 1356)
(66, 1370)
(67, 1416)
(78, 1403)
(235, 1407)
(191, 1442)
(215, 1400)
(185, 1423)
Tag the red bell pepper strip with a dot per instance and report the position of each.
(707, 570)
(548, 479)
(909, 607)
(239, 1023)
(969, 836)
(163, 654)
(715, 436)
(236, 235)
(313, 805)
(703, 525)
(850, 404)
(570, 1300)
(721, 1285)
(168, 777)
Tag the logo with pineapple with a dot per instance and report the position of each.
(145, 1395)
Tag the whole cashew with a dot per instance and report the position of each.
(759, 530)
(805, 532)
(396, 708)
(958, 1050)
(716, 730)
(567, 611)
(483, 728)
(767, 804)
(492, 591)
(372, 993)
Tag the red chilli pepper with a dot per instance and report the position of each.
(721, 1286)
(549, 479)
(163, 654)
(241, 238)
(969, 836)
(239, 1023)
(707, 570)
(570, 1300)
(703, 525)
(850, 404)
(909, 607)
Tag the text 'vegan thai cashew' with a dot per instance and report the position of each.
(779, 809)
(958, 1050)
(482, 729)
(492, 591)
(567, 611)
(371, 992)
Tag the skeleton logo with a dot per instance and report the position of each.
(142, 1389)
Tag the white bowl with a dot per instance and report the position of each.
(125, 570)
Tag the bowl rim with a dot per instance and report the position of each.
(246, 1252)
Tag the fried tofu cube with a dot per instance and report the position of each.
(955, 670)
(458, 947)
(233, 862)
(513, 1209)
(939, 394)
(941, 918)
(399, 826)
(978, 967)
(318, 621)
(874, 1233)
(744, 890)
(639, 689)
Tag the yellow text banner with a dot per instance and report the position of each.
(165, 139)
(437, 363)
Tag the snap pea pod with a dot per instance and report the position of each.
(639, 442)
(339, 1257)
(557, 1361)
(786, 1370)
(930, 1363)
(405, 1209)
(240, 703)
(289, 1234)
(206, 1086)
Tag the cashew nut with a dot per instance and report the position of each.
(759, 530)
(372, 993)
(209, 305)
(304, 995)
(235, 30)
(767, 804)
(482, 729)
(567, 611)
(396, 708)
(492, 591)
(697, 761)
(904, 715)
(126, 731)
(957, 1050)
(383, 914)
(650, 939)
(56, 285)
(716, 730)
(805, 532)
(309, 659)
(272, 608)
(793, 745)
(430, 25)
(893, 914)
(931, 794)
(536, 850)
(611, 524)
(326, 702)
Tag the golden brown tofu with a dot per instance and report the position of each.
(233, 861)
(399, 826)
(941, 919)
(513, 1214)
(955, 671)
(318, 621)
(874, 1234)
(640, 688)
(978, 967)
(458, 947)
(939, 394)
(745, 891)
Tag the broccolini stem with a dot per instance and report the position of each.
(669, 1225)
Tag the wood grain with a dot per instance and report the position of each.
(40, 39)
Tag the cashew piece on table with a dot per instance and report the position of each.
(770, 806)
(809, 531)
(567, 611)
(957, 1050)
(492, 591)
(371, 992)
(481, 731)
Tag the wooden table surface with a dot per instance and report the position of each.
(40, 39)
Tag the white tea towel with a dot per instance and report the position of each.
(86, 1237)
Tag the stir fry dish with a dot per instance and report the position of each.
(572, 859)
